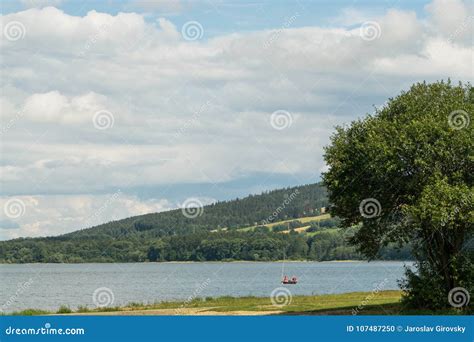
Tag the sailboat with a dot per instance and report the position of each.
(289, 281)
(284, 278)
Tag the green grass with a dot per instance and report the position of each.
(362, 303)
(82, 308)
(326, 230)
(302, 220)
(30, 312)
(63, 309)
(304, 304)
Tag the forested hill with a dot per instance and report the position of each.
(269, 206)
(281, 223)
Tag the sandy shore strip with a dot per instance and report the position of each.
(177, 312)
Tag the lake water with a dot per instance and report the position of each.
(47, 286)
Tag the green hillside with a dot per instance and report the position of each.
(269, 226)
(252, 210)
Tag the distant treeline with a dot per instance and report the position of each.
(257, 245)
(172, 236)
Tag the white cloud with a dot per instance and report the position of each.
(187, 112)
(55, 107)
(53, 215)
(450, 60)
(452, 18)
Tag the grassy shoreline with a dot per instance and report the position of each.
(360, 303)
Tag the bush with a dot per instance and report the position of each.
(82, 308)
(30, 312)
(63, 309)
(426, 289)
(423, 289)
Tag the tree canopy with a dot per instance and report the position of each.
(405, 174)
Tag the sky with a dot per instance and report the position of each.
(111, 109)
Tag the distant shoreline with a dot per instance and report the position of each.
(209, 262)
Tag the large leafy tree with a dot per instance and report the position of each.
(405, 175)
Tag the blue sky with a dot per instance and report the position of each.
(224, 17)
(119, 108)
